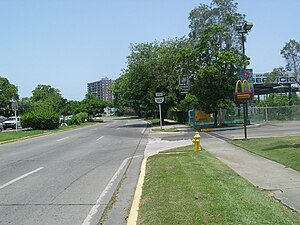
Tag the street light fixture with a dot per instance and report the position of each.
(244, 29)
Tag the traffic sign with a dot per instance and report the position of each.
(159, 94)
(159, 100)
(14, 105)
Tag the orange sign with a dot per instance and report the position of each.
(200, 115)
(242, 93)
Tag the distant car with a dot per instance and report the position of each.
(2, 119)
(11, 123)
(1, 127)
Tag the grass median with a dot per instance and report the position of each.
(21, 134)
(284, 150)
(183, 187)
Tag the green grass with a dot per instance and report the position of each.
(165, 130)
(20, 134)
(284, 150)
(196, 188)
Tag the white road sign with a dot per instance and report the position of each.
(159, 100)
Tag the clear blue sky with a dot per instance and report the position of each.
(68, 43)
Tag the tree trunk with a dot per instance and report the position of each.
(215, 119)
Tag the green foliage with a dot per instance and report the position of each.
(82, 116)
(183, 187)
(214, 83)
(92, 105)
(179, 111)
(291, 53)
(40, 120)
(285, 150)
(276, 100)
(152, 67)
(24, 105)
(78, 119)
(47, 98)
(219, 12)
(282, 112)
(271, 77)
(8, 92)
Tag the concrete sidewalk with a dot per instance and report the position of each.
(275, 179)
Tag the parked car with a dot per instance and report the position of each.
(11, 122)
(2, 119)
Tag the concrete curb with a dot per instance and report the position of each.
(133, 215)
(227, 128)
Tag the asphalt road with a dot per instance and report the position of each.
(69, 177)
(273, 129)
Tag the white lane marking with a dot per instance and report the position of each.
(143, 131)
(100, 138)
(94, 209)
(21, 177)
(63, 139)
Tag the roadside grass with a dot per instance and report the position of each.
(20, 134)
(156, 122)
(183, 187)
(284, 150)
(165, 130)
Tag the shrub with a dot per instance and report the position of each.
(40, 120)
(83, 116)
(78, 119)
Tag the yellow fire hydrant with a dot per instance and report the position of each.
(196, 141)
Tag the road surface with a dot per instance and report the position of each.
(68, 177)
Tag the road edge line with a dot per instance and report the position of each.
(133, 215)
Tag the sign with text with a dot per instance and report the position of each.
(200, 116)
(242, 91)
(159, 100)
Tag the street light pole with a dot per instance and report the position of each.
(243, 29)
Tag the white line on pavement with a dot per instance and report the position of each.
(21, 177)
(100, 138)
(143, 131)
(94, 209)
(63, 139)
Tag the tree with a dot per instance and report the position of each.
(180, 110)
(8, 92)
(219, 12)
(272, 76)
(92, 105)
(45, 97)
(24, 105)
(291, 53)
(152, 67)
(215, 80)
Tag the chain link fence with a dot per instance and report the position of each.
(255, 115)
(262, 114)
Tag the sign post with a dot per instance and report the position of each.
(14, 106)
(159, 100)
(242, 94)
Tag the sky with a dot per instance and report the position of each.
(69, 43)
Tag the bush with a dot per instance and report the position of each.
(78, 119)
(40, 120)
(83, 116)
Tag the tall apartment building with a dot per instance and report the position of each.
(100, 89)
